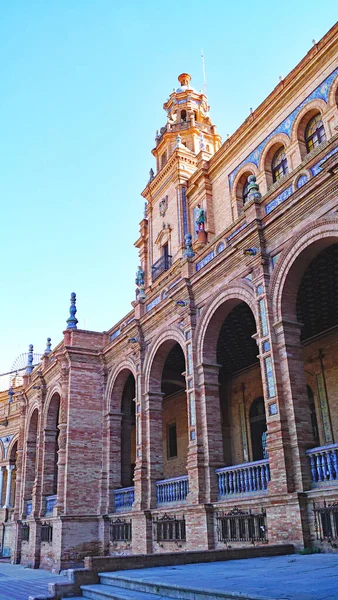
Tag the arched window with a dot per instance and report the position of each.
(183, 115)
(314, 423)
(245, 191)
(279, 165)
(258, 429)
(314, 133)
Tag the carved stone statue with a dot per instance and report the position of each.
(139, 280)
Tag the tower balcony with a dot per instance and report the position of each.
(161, 265)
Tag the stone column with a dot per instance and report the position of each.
(9, 484)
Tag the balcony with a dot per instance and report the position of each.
(247, 478)
(124, 499)
(172, 490)
(161, 265)
(324, 464)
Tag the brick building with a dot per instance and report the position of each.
(209, 414)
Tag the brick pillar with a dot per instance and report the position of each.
(16, 540)
(296, 404)
(62, 441)
(113, 429)
(209, 446)
(153, 444)
(49, 455)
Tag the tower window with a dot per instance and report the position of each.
(171, 440)
(183, 115)
(314, 133)
(279, 164)
(163, 159)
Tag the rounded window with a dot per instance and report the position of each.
(314, 133)
(279, 164)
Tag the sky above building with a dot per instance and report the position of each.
(82, 88)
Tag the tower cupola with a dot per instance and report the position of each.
(187, 117)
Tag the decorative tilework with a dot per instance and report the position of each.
(317, 167)
(269, 376)
(174, 283)
(153, 303)
(259, 289)
(192, 434)
(266, 346)
(274, 259)
(184, 209)
(262, 312)
(220, 248)
(248, 277)
(178, 215)
(115, 334)
(205, 260)
(321, 92)
(194, 225)
(138, 430)
(6, 440)
(192, 409)
(273, 410)
(188, 334)
(284, 195)
(235, 232)
(302, 180)
(189, 359)
(190, 383)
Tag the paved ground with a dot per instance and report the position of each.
(292, 577)
(17, 582)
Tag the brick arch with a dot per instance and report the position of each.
(11, 445)
(332, 100)
(34, 406)
(294, 261)
(219, 307)
(308, 111)
(54, 390)
(249, 166)
(155, 361)
(280, 139)
(116, 381)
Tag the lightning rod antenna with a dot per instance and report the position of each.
(204, 75)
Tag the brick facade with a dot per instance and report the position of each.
(216, 338)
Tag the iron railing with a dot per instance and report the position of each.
(326, 521)
(170, 529)
(120, 531)
(241, 526)
(46, 532)
(161, 265)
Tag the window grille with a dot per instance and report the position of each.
(314, 133)
(242, 526)
(46, 532)
(25, 532)
(279, 164)
(326, 521)
(120, 531)
(170, 529)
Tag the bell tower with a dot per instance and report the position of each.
(183, 144)
(187, 117)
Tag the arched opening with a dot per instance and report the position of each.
(242, 191)
(279, 164)
(12, 462)
(50, 449)
(183, 115)
(239, 380)
(258, 429)
(174, 414)
(310, 132)
(121, 446)
(317, 311)
(128, 433)
(30, 465)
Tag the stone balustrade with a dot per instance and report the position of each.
(124, 499)
(175, 489)
(323, 463)
(245, 478)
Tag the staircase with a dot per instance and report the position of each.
(115, 586)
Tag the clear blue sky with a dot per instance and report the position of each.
(82, 87)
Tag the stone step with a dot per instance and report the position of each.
(159, 590)
(100, 591)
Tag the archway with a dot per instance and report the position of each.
(30, 464)
(258, 429)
